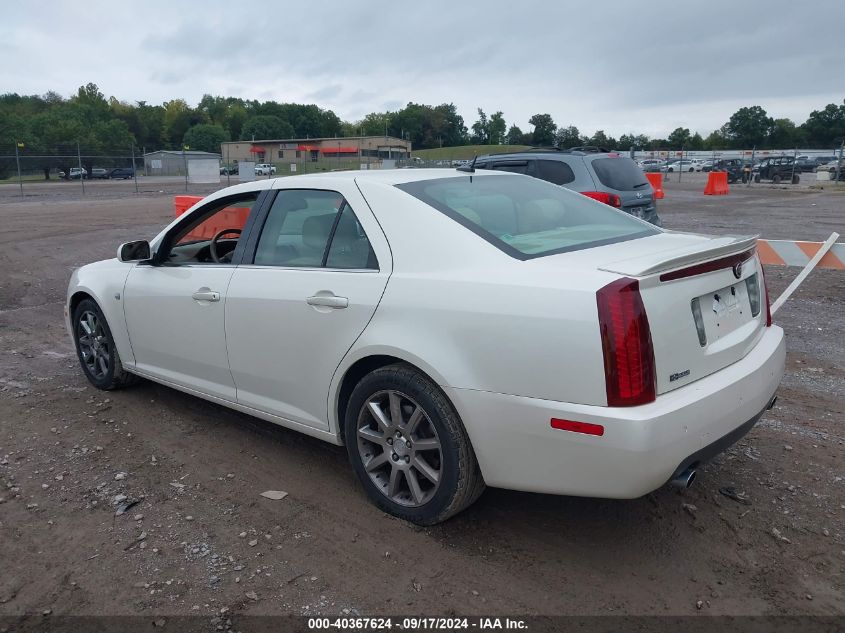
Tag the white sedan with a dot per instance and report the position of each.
(452, 329)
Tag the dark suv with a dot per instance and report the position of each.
(734, 167)
(777, 169)
(604, 176)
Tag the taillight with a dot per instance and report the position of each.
(768, 303)
(626, 343)
(602, 196)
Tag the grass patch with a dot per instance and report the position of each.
(465, 151)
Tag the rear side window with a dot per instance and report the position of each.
(527, 217)
(555, 171)
(313, 229)
(515, 166)
(620, 173)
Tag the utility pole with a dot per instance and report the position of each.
(185, 162)
(81, 173)
(18, 144)
(134, 170)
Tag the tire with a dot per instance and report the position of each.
(100, 359)
(394, 473)
(691, 169)
(796, 179)
(757, 178)
(776, 179)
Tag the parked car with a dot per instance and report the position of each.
(651, 164)
(123, 173)
(683, 165)
(553, 344)
(832, 167)
(777, 169)
(264, 169)
(100, 173)
(607, 177)
(75, 173)
(232, 169)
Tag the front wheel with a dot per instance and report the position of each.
(757, 178)
(796, 179)
(409, 447)
(96, 350)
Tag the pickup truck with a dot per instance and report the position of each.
(264, 169)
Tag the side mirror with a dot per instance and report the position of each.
(138, 251)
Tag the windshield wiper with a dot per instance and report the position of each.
(642, 184)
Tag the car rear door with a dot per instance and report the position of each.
(310, 282)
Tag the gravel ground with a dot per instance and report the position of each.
(200, 540)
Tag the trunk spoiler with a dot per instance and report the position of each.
(702, 249)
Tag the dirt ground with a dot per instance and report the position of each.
(202, 541)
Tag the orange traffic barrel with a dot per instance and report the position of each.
(717, 184)
(183, 203)
(656, 180)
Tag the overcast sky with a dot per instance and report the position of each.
(641, 66)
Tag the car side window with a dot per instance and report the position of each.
(556, 172)
(515, 166)
(313, 229)
(194, 243)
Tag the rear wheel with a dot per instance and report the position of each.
(757, 178)
(409, 447)
(796, 179)
(96, 350)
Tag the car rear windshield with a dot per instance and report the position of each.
(526, 217)
(619, 173)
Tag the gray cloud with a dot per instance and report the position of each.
(616, 65)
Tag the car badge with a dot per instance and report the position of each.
(639, 194)
(737, 269)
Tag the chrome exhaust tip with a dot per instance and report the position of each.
(685, 479)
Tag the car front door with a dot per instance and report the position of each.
(309, 283)
(175, 307)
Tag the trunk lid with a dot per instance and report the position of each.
(705, 300)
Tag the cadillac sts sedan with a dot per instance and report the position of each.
(452, 328)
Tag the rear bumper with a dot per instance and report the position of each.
(641, 448)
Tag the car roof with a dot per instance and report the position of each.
(386, 176)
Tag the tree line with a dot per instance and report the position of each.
(52, 126)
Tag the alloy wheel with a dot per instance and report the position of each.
(399, 448)
(93, 344)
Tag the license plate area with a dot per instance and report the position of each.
(725, 310)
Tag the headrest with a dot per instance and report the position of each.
(316, 229)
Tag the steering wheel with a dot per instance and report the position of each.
(212, 247)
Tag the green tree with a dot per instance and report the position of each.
(496, 128)
(695, 142)
(784, 135)
(205, 137)
(480, 129)
(749, 127)
(600, 139)
(544, 130)
(568, 137)
(178, 118)
(635, 141)
(679, 137)
(515, 136)
(825, 128)
(264, 127)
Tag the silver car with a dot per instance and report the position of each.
(607, 177)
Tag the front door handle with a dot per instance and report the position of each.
(328, 301)
(206, 295)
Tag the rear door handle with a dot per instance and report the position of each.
(206, 295)
(328, 301)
